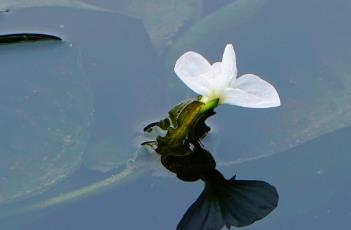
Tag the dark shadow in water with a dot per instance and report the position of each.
(222, 202)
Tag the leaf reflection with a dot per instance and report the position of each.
(223, 202)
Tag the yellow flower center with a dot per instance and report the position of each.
(213, 95)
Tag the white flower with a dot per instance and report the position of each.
(220, 81)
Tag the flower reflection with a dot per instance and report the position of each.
(222, 202)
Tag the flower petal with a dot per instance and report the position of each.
(251, 91)
(218, 80)
(193, 69)
(229, 62)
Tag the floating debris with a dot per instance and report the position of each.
(26, 37)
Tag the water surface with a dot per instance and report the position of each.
(72, 111)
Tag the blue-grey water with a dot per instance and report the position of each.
(72, 112)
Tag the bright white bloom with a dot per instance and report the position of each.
(220, 81)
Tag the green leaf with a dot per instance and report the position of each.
(187, 126)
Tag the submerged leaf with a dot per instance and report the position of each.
(163, 19)
(317, 173)
(106, 155)
(8, 5)
(45, 117)
(213, 27)
(45, 147)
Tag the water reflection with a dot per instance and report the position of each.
(222, 202)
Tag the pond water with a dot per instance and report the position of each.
(73, 111)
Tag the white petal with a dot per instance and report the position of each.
(193, 69)
(218, 80)
(229, 62)
(251, 91)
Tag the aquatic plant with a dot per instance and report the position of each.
(223, 202)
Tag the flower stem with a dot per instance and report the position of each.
(210, 105)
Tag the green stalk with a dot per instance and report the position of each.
(212, 104)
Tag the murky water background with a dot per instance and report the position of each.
(72, 112)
